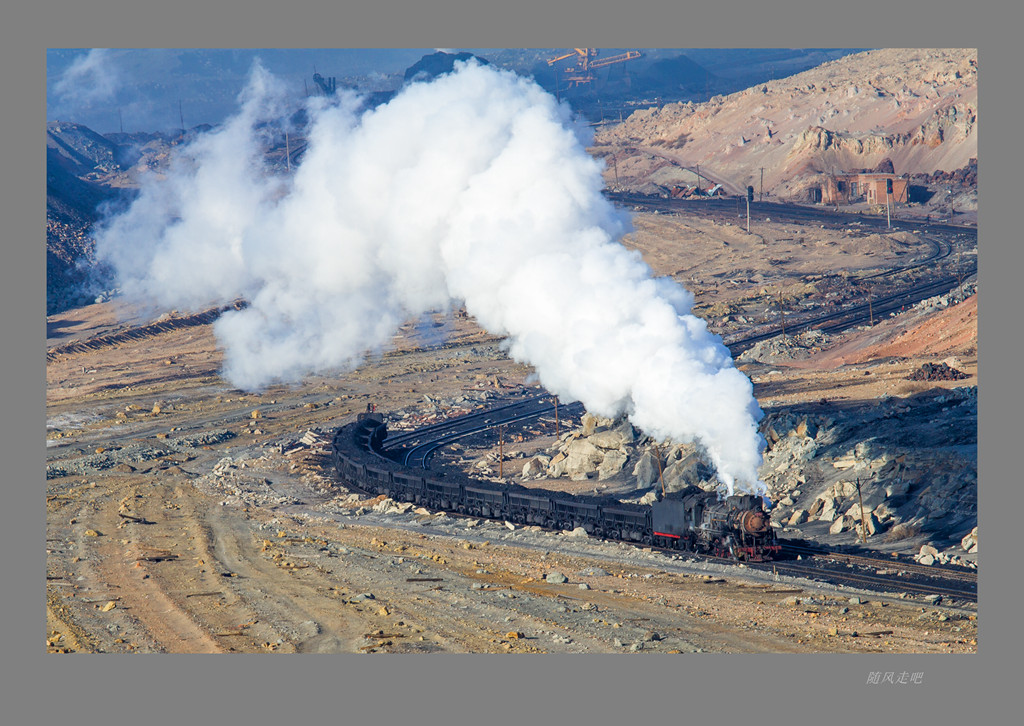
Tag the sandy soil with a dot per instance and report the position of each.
(185, 551)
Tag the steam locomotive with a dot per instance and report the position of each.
(697, 521)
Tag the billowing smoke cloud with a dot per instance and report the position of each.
(474, 187)
(91, 78)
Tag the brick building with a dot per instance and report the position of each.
(860, 187)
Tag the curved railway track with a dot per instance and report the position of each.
(419, 455)
(832, 568)
(850, 315)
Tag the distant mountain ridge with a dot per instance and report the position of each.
(916, 107)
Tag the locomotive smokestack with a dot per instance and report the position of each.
(474, 187)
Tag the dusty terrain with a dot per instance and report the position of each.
(186, 516)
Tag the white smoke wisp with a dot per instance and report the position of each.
(91, 78)
(474, 187)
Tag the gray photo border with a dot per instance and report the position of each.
(492, 689)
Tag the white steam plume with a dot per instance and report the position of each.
(473, 187)
(91, 78)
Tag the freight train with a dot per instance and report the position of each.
(696, 520)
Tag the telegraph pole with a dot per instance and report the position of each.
(863, 523)
(120, 120)
(556, 417)
(698, 178)
(287, 151)
(782, 316)
(750, 198)
(182, 117)
(501, 451)
(959, 276)
(760, 194)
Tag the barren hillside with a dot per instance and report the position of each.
(916, 107)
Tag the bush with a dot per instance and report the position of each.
(904, 530)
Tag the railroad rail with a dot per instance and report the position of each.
(947, 583)
(142, 332)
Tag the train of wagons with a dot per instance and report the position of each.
(695, 520)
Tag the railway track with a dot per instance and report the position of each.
(419, 456)
(783, 212)
(140, 333)
(879, 583)
(833, 568)
(935, 571)
(850, 315)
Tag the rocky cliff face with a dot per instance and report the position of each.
(916, 107)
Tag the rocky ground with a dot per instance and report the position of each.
(186, 516)
(914, 109)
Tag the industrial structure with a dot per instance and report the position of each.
(582, 71)
(870, 187)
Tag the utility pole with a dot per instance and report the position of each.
(120, 120)
(760, 194)
(501, 451)
(556, 418)
(615, 163)
(782, 316)
(959, 276)
(750, 198)
(863, 523)
(182, 117)
(661, 478)
(698, 178)
(287, 151)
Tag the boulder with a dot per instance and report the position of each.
(649, 498)
(556, 578)
(805, 429)
(589, 424)
(897, 488)
(691, 470)
(799, 517)
(557, 466)
(614, 438)
(845, 462)
(582, 457)
(611, 464)
(869, 523)
(882, 512)
(843, 489)
(928, 550)
(828, 509)
(926, 559)
(537, 466)
(841, 524)
(970, 542)
(646, 470)
(855, 511)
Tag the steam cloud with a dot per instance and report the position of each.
(91, 78)
(474, 187)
